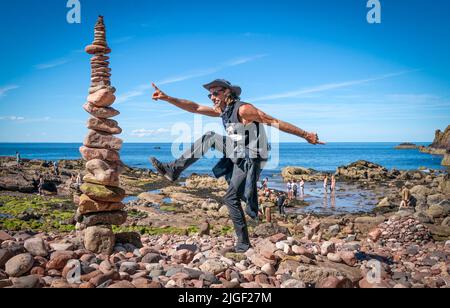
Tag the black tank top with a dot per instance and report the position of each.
(248, 141)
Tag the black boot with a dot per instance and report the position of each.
(165, 170)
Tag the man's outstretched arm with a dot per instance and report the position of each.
(250, 113)
(184, 104)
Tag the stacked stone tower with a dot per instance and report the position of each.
(100, 206)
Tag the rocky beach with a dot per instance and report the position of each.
(177, 234)
(97, 222)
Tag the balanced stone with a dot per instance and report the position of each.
(97, 49)
(104, 125)
(101, 140)
(116, 218)
(103, 193)
(104, 82)
(89, 206)
(100, 79)
(100, 203)
(104, 172)
(99, 239)
(102, 70)
(97, 88)
(99, 42)
(101, 75)
(102, 154)
(112, 180)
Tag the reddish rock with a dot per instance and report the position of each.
(104, 125)
(348, 258)
(122, 285)
(97, 49)
(278, 238)
(184, 256)
(88, 206)
(103, 113)
(38, 271)
(102, 98)
(87, 285)
(5, 236)
(329, 283)
(375, 234)
(58, 262)
(102, 154)
(102, 141)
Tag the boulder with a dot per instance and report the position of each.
(36, 246)
(99, 239)
(19, 265)
(363, 170)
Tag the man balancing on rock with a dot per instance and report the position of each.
(245, 149)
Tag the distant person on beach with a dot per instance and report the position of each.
(406, 199)
(55, 168)
(265, 183)
(294, 190)
(281, 203)
(333, 184)
(40, 185)
(78, 181)
(302, 188)
(267, 193)
(18, 159)
(289, 189)
(245, 149)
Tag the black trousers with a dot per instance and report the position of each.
(242, 182)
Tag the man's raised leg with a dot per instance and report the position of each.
(172, 171)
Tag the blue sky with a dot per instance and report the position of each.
(317, 64)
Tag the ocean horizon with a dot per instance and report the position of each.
(322, 158)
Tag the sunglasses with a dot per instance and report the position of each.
(215, 93)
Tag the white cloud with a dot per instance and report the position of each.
(142, 89)
(148, 132)
(5, 89)
(326, 87)
(51, 64)
(12, 118)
